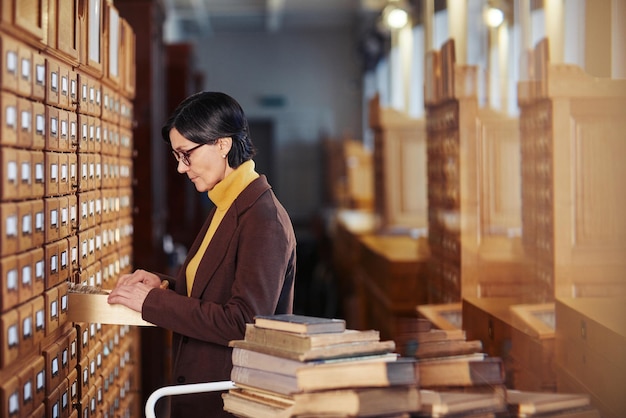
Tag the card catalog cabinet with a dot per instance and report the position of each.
(473, 175)
(66, 78)
(572, 146)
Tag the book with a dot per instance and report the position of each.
(249, 405)
(358, 401)
(447, 348)
(301, 324)
(460, 357)
(439, 335)
(408, 343)
(262, 361)
(330, 376)
(444, 404)
(528, 403)
(304, 342)
(328, 352)
(582, 412)
(489, 371)
(394, 401)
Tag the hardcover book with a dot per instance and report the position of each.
(358, 402)
(446, 404)
(303, 342)
(262, 361)
(489, 371)
(446, 347)
(327, 352)
(527, 403)
(301, 324)
(330, 376)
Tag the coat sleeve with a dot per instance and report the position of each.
(258, 267)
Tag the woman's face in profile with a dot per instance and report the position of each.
(207, 164)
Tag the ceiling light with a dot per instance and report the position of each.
(494, 17)
(395, 17)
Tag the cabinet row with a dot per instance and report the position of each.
(34, 125)
(82, 368)
(31, 223)
(88, 35)
(28, 174)
(42, 78)
(33, 272)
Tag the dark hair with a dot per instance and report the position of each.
(207, 116)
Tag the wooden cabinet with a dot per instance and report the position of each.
(473, 188)
(51, 207)
(490, 321)
(390, 280)
(348, 226)
(399, 169)
(532, 347)
(591, 350)
(571, 128)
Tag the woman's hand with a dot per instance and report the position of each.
(132, 289)
(139, 276)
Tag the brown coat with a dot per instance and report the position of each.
(248, 269)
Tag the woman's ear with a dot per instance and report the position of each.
(225, 144)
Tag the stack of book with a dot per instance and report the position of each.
(456, 376)
(294, 365)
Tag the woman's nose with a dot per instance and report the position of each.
(181, 167)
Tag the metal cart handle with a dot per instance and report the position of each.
(184, 390)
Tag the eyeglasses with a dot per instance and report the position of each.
(184, 155)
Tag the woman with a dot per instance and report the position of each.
(241, 264)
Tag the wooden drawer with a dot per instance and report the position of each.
(51, 299)
(63, 36)
(26, 16)
(9, 73)
(26, 271)
(25, 164)
(26, 225)
(591, 347)
(39, 76)
(38, 162)
(10, 228)
(51, 182)
(52, 206)
(41, 126)
(26, 123)
(10, 173)
(489, 320)
(10, 337)
(8, 118)
(27, 328)
(9, 280)
(39, 313)
(26, 378)
(10, 398)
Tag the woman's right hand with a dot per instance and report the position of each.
(139, 276)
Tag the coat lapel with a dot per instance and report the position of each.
(216, 251)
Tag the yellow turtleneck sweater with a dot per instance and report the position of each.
(223, 195)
